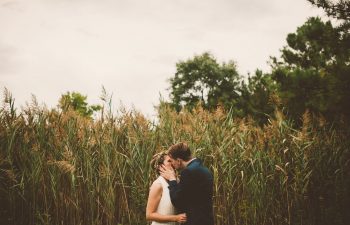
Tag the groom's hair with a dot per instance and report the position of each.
(180, 151)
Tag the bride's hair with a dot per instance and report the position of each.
(157, 160)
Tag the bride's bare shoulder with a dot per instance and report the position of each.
(156, 185)
(156, 189)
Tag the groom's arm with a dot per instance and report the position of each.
(178, 191)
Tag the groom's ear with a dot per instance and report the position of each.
(181, 162)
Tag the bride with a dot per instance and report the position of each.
(159, 208)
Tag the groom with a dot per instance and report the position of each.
(193, 194)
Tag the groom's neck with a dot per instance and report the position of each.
(188, 162)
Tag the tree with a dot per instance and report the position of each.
(202, 79)
(338, 9)
(258, 97)
(77, 102)
(314, 72)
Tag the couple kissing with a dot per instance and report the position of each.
(186, 199)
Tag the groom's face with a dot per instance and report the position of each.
(176, 163)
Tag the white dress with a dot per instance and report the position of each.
(165, 206)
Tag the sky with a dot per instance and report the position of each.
(129, 47)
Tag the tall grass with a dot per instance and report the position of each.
(60, 168)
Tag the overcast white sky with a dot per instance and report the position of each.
(48, 47)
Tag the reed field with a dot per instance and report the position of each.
(61, 168)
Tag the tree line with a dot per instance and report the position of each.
(311, 74)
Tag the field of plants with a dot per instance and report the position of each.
(61, 168)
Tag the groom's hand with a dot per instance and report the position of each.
(167, 172)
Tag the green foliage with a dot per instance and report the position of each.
(314, 70)
(258, 97)
(202, 79)
(77, 102)
(317, 45)
(338, 9)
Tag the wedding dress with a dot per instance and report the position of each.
(165, 206)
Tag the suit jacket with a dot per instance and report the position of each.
(193, 194)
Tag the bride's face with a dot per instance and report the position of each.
(167, 162)
(176, 163)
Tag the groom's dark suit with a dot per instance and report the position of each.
(193, 194)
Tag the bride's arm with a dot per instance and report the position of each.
(154, 196)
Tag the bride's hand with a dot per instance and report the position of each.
(181, 218)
